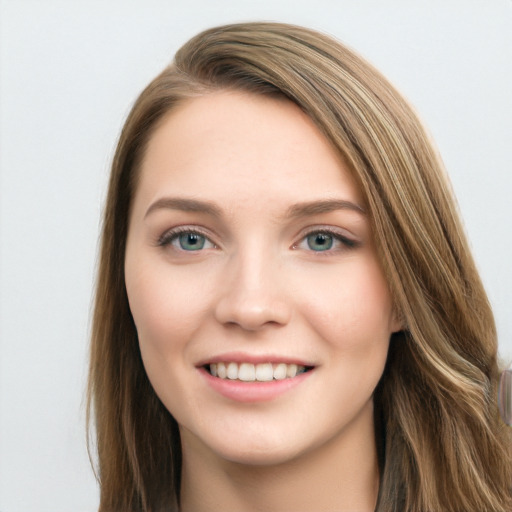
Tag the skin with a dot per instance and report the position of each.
(259, 287)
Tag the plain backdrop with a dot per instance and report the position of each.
(69, 72)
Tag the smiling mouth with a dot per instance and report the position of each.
(248, 372)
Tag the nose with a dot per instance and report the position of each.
(252, 294)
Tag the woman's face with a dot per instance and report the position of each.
(250, 256)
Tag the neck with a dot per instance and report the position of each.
(340, 476)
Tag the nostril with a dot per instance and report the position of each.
(252, 314)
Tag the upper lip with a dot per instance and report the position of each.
(239, 357)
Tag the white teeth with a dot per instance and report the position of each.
(246, 372)
(264, 372)
(221, 370)
(280, 371)
(249, 372)
(232, 371)
(291, 370)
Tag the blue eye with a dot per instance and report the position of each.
(320, 241)
(326, 241)
(186, 240)
(191, 241)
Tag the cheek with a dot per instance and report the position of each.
(165, 311)
(355, 309)
(165, 306)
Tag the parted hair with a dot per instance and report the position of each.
(442, 445)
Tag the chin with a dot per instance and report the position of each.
(252, 448)
(262, 457)
(266, 451)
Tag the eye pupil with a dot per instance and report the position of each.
(320, 241)
(191, 241)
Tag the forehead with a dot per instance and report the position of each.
(229, 146)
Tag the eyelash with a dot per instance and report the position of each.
(346, 242)
(170, 236)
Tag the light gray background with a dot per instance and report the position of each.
(69, 72)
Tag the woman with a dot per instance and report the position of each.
(287, 313)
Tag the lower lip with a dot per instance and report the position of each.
(253, 391)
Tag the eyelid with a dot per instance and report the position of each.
(169, 235)
(341, 235)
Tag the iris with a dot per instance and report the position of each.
(320, 241)
(191, 241)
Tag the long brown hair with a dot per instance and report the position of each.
(442, 443)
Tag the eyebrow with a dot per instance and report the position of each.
(298, 210)
(324, 206)
(185, 205)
